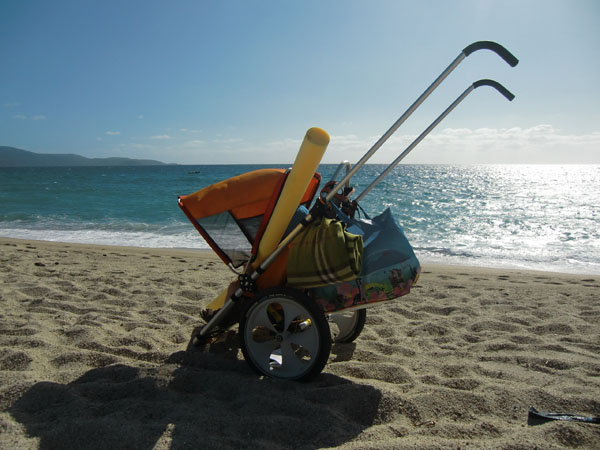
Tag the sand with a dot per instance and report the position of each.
(93, 354)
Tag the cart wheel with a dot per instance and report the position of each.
(347, 325)
(285, 334)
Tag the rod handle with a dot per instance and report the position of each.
(509, 95)
(495, 47)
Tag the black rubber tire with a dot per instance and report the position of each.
(357, 327)
(318, 331)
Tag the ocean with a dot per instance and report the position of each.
(542, 217)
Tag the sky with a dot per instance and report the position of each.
(240, 81)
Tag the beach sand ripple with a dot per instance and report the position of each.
(94, 354)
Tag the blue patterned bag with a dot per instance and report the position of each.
(389, 268)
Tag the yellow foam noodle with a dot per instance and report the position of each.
(307, 160)
(222, 297)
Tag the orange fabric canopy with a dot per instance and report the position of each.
(246, 195)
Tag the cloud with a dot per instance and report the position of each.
(24, 117)
(194, 143)
(537, 144)
(541, 143)
(113, 133)
(227, 141)
(140, 116)
(161, 136)
(187, 130)
(139, 146)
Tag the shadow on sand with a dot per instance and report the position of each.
(195, 400)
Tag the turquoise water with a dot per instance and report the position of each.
(521, 216)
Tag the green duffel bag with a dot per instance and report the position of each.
(325, 253)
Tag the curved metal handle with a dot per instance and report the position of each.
(434, 124)
(495, 47)
(509, 95)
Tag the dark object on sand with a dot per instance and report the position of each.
(536, 417)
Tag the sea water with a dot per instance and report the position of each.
(543, 217)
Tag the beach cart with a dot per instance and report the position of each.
(309, 261)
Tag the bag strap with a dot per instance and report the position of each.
(344, 217)
(363, 211)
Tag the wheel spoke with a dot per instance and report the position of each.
(291, 312)
(345, 322)
(344, 319)
(291, 362)
(309, 339)
(261, 352)
(262, 319)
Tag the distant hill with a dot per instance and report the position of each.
(15, 157)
